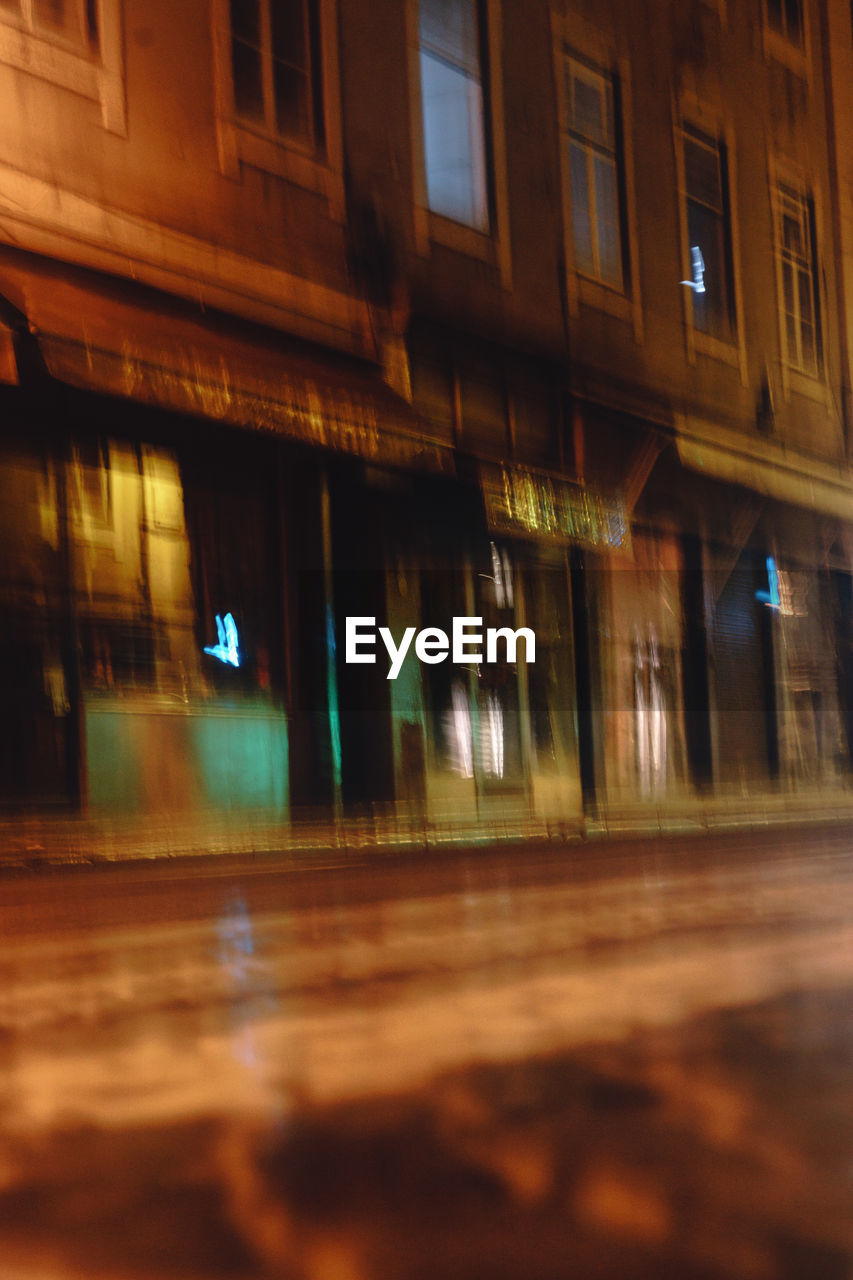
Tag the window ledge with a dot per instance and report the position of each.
(810, 385)
(464, 239)
(240, 144)
(98, 78)
(716, 348)
(602, 297)
(793, 56)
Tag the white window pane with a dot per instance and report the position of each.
(607, 211)
(454, 143)
(581, 221)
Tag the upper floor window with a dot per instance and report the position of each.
(452, 99)
(786, 17)
(276, 68)
(709, 234)
(74, 22)
(591, 103)
(799, 301)
(71, 44)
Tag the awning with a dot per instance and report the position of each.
(765, 467)
(120, 340)
(351, 412)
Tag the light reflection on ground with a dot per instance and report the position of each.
(642, 1062)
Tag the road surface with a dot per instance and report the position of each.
(591, 1060)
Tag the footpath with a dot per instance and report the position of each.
(38, 841)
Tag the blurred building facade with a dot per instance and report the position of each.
(321, 308)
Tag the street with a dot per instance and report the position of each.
(588, 1060)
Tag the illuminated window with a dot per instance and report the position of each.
(591, 102)
(708, 234)
(276, 67)
(91, 497)
(786, 17)
(450, 42)
(71, 21)
(795, 247)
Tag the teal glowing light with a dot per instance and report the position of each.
(228, 648)
(771, 596)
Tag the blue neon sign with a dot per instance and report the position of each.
(228, 648)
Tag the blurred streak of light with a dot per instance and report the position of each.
(458, 723)
(492, 737)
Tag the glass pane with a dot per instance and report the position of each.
(292, 115)
(806, 297)
(62, 16)
(588, 111)
(791, 338)
(711, 304)
(248, 91)
(289, 43)
(788, 286)
(607, 211)
(702, 173)
(809, 347)
(449, 29)
(581, 223)
(792, 237)
(794, 20)
(454, 143)
(246, 20)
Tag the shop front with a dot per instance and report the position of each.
(167, 565)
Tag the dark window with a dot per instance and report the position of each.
(275, 46)
(786, 17)
(708, 234)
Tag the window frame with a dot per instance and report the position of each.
(610, 150)
(93, 72)
(27, 21)
(721, 213)
(316, 166)
(492, 246)
(691, 116)
(796, 55)
(475, 82)
(594, 49)
(787, 184)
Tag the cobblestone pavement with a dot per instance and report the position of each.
(591, 1061)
